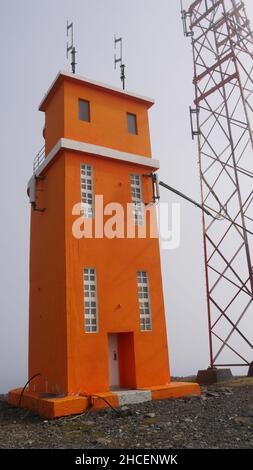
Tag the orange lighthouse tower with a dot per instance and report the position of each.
(97, 324)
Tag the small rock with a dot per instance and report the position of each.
(242, 420)
(212, 394)
(164, 426)
(124, 408)
(103, 440)
(188, 420)
(203, 398)
(150, 415)
(177, 437)
(226, 389)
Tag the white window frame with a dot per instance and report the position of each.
(87, 190)
(90, 300)
(136, 193)
(144, 301)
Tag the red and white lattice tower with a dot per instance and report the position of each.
(222, 121)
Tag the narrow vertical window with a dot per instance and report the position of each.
(90, 300)
(87, 197)
(137, 199)
(144, 301)
(84, 110)
(132, 123)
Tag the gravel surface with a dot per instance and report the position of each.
(221, 418)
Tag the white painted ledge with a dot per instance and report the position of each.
(93, 83)
(97, 150)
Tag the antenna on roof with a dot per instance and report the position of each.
(185, 15)
(119, 41)
(70, 47)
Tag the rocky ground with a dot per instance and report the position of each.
(221, 418)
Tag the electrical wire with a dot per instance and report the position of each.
(205, 208)
(106, 401)
(173, 190)
(89, 396)
(23, 389)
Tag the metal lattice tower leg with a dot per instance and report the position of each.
(222, 120)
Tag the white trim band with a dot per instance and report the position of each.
(93, 83)
(98, 151)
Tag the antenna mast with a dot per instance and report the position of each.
(222, 41)
(70, 47)
(119, 60)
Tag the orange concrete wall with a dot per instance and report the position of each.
(54, 120)
(108, 125)
(117, 262)
(47, 320)
(69, 359)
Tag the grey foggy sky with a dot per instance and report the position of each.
(159, 65)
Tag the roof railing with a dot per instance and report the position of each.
(39, 159)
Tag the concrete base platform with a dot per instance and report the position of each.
(211, 376)
(56, 407)
(131, 397)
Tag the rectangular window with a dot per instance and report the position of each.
(90, 300)
(87, 197)
(132, 123)
(144, 301)
(137, 199)
(84, 110)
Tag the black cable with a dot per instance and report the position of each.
(90, 406)
(173, 190)
(109, 404)
(23, 389)
(88, 396)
